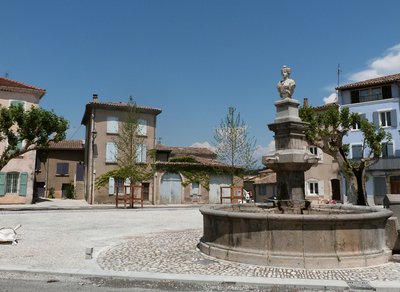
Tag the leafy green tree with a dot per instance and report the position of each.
(27, 130)
(327, 130)
(233, 144)
(128, 148)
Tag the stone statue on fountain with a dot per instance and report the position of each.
(286, 86)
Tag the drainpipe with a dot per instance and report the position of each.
(93, 138)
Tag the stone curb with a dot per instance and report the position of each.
(380, 286)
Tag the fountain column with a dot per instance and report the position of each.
(291, 157)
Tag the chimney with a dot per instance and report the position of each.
(95, 97)
(305, 102)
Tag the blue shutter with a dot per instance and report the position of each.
(2, 183)
(375, 119)
(390, 152)
(393, 118)
(23, 182)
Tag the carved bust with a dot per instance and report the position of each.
(286, 85)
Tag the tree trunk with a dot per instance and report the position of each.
(359, 173)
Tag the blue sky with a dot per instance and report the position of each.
(194, 58)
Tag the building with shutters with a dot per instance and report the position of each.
(174, 186)
(60, 170)
(17, 177)
(378, 101)
(102, 121)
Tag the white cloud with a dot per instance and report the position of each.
(387, 64)
(263, 151)
(204, 144)
(331, 98)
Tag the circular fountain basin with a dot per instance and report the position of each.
(324, 236)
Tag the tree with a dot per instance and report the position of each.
(327, 130)
(234, 146)
(27, 130)
(129, 149)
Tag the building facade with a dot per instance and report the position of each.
(187, 175)
(17, 177)
(378, 101)
(60, 170)
(103, 122)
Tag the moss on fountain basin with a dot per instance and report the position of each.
(324, 236)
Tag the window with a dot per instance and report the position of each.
(313, 188)
(387, 149)
(356, 151)
(12, 182)
(141, 153)
(112, 125)
(62, 168)
(142, 127)
(80, 171)
(111, 152)
(370, 94)
(357, 125)
(385, 118)
(195, 189)
(313, 150)
(317, 152)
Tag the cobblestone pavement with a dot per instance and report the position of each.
(176, 252)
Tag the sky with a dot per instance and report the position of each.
(193, 59)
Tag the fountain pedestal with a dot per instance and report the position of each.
(291, 157)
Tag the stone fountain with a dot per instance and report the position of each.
(290, 232)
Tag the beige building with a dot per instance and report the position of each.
(17, 177)
(60, 170)
(188, 175)
(102, 121)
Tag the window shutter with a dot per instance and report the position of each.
(307, 188)
(144, 153)
(23, 183)
(375, 119)
(142, 127)
(393, 118)
(384, 149)
(112, 125)
(2, 183)
(111, 186)
(111, 152)
(320, 154)
(321, 189)
(390, 152)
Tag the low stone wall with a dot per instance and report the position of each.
(329, 236)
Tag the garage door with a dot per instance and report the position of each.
(215, 192)
(171, 189)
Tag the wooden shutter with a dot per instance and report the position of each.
(2, 183)
(111, 152)
(23, 183)
(375, 119)
(321, 189)
(111, 186)
(393, 118)
(142, 127)
(389, 149)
